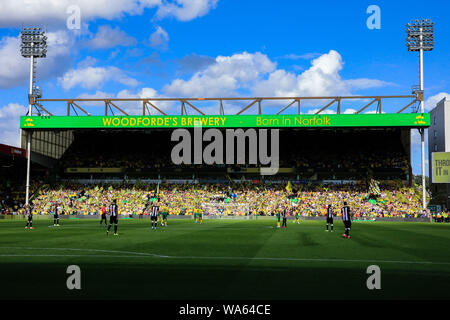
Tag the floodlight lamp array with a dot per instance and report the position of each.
(34, 43)
(420, 35)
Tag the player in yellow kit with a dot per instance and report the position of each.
(278, 215)
(198, 214)
(164, 214)
(295, 210)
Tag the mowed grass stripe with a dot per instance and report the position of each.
(223, 259)
(226, 238)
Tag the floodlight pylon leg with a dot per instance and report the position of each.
(30, 113)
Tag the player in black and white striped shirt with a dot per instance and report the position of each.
(330, 215)
(56, 210)
(154, 214)
(113, 217)
(347, 219)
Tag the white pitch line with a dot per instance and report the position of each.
(68, 255)
(312, 260)
(90, 250)
(147, 255)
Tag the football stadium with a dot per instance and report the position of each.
(242, 179)
(224, 230)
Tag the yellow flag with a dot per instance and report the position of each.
(289, 187)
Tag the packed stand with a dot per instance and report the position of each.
(308, 200)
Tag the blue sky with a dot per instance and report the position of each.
(195, 48)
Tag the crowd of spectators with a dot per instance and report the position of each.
(310, 200)
(11, 198)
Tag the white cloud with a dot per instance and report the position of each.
(87, 62)
(131, 107)
(326, 111)
(224, 77)
(9, 123)
(59, 54)
(431, 102)
(255, 74)
(185, 10)
(373, 112)
(331, 110)
(94, 77)
(53, 12)
(107, 37)
(321, 79)
(142, 93)
(97, 95)
(236, 75)
(159, 38)
(350, 111)
(15, 69)
(364, 83)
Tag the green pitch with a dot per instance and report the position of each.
(227, 259)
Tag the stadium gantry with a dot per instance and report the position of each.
(110, 104)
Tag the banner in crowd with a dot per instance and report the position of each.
(374, 188)
(440, 167)
(227, 121)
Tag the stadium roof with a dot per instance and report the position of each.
(12, 151)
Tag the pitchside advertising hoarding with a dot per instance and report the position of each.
(440, 167)
(226, 121)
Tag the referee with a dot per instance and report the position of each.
(347, 219)
(113, 217)
(103, 217)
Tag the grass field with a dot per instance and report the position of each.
(226, 259)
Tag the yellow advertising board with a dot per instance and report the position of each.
(440, 167)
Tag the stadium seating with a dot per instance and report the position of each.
(395, 200)
(334, 154)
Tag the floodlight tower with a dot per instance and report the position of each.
(34, 45)
(421, 38)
